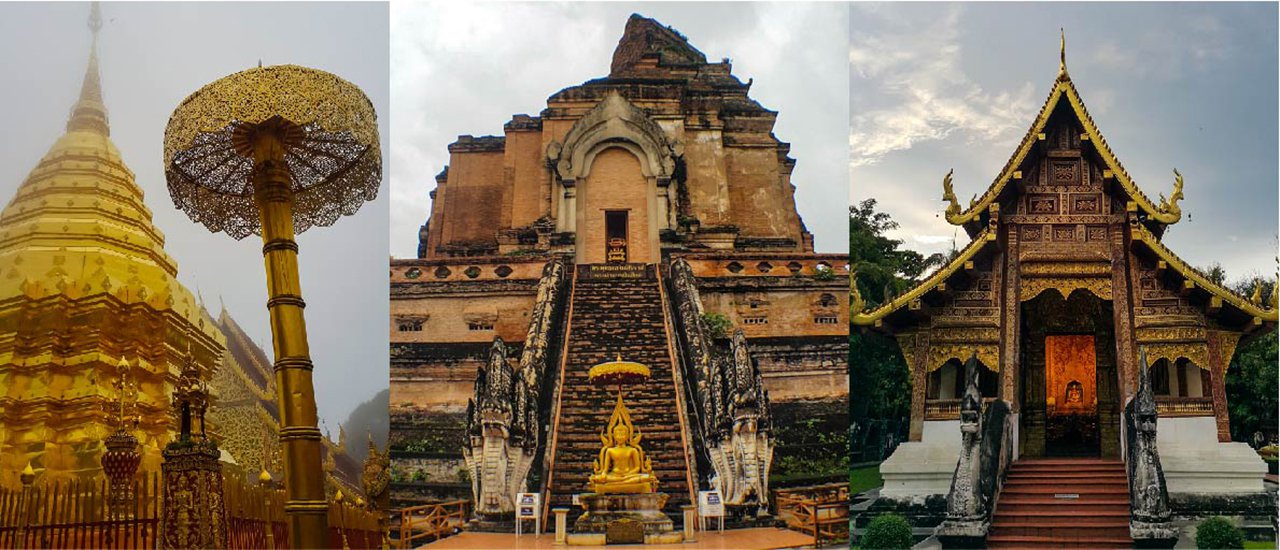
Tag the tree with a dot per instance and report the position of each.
(1252, 378)
(368, 417)
(879, 381)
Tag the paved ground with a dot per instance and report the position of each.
(745, 539)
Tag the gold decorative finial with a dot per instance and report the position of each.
(949, 195)
(95, 19)
(1256, 298)
(264, 476)
(1275, 294)
(1062, 51)
(89, 113)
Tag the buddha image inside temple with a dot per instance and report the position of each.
(617, 308)
(1067, 373)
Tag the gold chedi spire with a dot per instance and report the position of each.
(85, 280)
(89, 112)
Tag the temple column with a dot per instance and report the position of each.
(1010, 320)
(1222, 347)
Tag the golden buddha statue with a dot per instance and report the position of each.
(622, 466)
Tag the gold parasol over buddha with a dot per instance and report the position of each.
(274, 151)
(622, 466)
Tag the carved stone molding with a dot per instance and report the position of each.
(613, 121)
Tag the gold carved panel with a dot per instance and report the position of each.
(1033, 286)
(1196, 352)
(940, 353)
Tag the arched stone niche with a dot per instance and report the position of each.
(615, 123)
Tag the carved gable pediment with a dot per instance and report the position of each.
(614, 121)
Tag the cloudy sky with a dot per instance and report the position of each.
(1186, 86)
(466, 68)
(153, 55)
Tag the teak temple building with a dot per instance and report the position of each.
(648, 216)
(1072, 309)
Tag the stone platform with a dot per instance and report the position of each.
(642, 508)
(767, 538)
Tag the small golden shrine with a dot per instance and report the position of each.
(622, 466)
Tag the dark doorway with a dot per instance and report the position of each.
(1069, 382)
(615, 232)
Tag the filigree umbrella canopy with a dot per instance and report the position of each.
(330, 147)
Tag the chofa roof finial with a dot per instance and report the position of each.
(1062, 52)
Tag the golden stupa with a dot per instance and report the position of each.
(84, 282)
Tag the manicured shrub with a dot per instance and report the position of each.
(1217, 533)
(887, 532)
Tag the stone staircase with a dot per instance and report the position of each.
(1063, 503)
(617, 311)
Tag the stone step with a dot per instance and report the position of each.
(611, 318)
(1098, 482)
(1055, 469)
(1090, 518)
(1063, 530)
(1014, 541)
(1050, 504)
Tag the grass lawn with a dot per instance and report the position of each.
(1259, 544)
(867, 477)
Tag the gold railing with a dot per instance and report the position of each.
(1184, 406)
(947, 409)
(76, 514)
(430, 522)
(822, 511)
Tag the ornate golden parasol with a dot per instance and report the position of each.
(274, 151)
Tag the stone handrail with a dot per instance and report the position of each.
(985, 454)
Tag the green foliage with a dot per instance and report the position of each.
(419, 476)
(882, 268)
(1218, 532)
(718, 325)
(464, 475)
(369, 417)
(887, 531)
(862, 479)
(815, 450)
(878, 374)
(824, 274)
(1252, 378)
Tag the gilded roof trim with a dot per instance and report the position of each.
(868, 318)
(1249, 307)
(1167, 212)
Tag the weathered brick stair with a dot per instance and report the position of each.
(1035, 509)
(612, 316)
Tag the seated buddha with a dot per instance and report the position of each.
(622, 466)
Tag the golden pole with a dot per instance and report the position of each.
(305, 504)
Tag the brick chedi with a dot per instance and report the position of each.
(639, 214)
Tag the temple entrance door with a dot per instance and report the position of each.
(615, 230)
(1069, 394)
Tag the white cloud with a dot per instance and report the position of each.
(917, 71)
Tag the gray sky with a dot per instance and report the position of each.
(153, 55)
(1186, 86)
(465, 68)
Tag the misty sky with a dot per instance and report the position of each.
(1186, 86)
(153, 55)
(466, 68)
